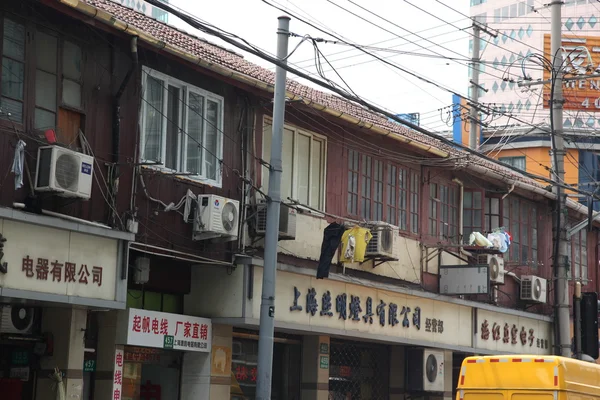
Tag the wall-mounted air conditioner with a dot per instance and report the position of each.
(425, 370)
(65, 172)
(534, 288)
(496, 267)
(382, 243)
(17, 320)
(216, 217)
(287, 221)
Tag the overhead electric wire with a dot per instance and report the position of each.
(250, 48)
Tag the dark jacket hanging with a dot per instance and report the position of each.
(332, 236)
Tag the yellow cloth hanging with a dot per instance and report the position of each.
(354, 244)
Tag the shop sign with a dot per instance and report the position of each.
(20, 357)
(118, 374)
(324, 362)
(89, 366)
(62, 262)
(348, 307)
(21, 373)
(324, 348)
(245, 374)
(503, 332)
(142, 355)
(164, 330)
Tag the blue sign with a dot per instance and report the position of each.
(86, 168)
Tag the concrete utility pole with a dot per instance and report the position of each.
(475, 66)
(562, 322)
(267, 305)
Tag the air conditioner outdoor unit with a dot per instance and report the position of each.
(216, 217)
(534, 288)
(64, 171)
(496, 267)
(382, 242)
(425, 370)
(17, 320)
(287, 221)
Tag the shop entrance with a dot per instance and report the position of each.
(16, 372)
(151, 374)
(358, 371)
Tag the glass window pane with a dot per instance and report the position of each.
(13, 78)
(71, 93)
(11, 110)
(153, 119)
(477, 219)
(468, 200)
(316, 175)
(13, 43)
(44, 119)
(287, 176)
(45, 52)
(71, 61)
(213, 141)
(477, 200)
(195, 125)
(45, 90)
(173, 127)
(303, 168)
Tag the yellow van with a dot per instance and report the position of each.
(527, 378)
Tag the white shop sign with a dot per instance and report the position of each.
(505, 333)
(57, 261)
(167, 331)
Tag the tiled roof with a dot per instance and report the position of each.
(228, 59)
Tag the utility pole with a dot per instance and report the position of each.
(562, 322)
(474, 126)
(267, 305)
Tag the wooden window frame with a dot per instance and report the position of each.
(524, 222)
(405, 204)
(29, 84)
(441, 207)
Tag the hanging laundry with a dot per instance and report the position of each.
(17, 167)
(354, 244)
(332, 236)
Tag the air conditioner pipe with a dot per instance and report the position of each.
(63, 216)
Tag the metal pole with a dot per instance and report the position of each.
(577, 318)
(267, 305)
(558, 149)
(474, 130)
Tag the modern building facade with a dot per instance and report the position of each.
(518, 135)
(146, 282)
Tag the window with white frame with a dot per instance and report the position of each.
(182, 127)
(303, 157)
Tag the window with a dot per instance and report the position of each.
(530, 5)
(492, 213)
(13, 71)
(497, 15)
(443, 211)
(513, 10)
(53, 67)
(303, 159)
(516, 162)
(520, 220)
(505, 13)
(160, 15)
(182, 127)
(379, 191)
(472, 212)
(578, 245)
(522, 8)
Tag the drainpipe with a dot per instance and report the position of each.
(116, 134)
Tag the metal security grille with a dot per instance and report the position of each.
(358, 371)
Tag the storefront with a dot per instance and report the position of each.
(156, 347)
(287, 361)
(358, 337)
(53, 273)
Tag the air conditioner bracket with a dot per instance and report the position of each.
(378, 260)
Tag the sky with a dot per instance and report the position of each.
(402, 32)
